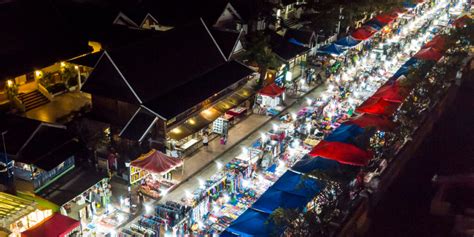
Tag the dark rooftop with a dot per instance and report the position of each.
(303, 36)
(284, 49)
(226, 39)
(157, 63)
(138, 125)
(188, 95)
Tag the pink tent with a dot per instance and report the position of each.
(56, 225)
(341, 152)
(156, 162)
(428, 54)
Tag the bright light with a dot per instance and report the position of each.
(293, 115)
(219, 165)
(63, 64)
(275, 127)
(226, 197)
(121, 217)
(245, 183)
(330, 87)
(309, 101)
(148, 208)
(201, 182)
(164, 192)
(188, 194)
(113, 233)
(9, 83)
(38, 73)
(245, 150)
(76, 67)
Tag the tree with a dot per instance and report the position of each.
(259, 53)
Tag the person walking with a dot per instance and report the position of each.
(205, 141)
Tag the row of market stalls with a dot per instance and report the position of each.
(341, 148)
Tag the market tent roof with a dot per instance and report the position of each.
(438, 42)
(363, 33)
(392, 92)
(374, 21)
(138, 125)
(370, 120)
(402, 71)
(56, 225)
(156, 162)
(461, 21)
(331, 49)
(373, 25)
(71, 185)
(411, 62)
(347, 42)
(384, 18)
(308, 164)
(297, 184)
(345, 133)
(378, 106)
(342, 152)
(409, 5)
(428, 54)
(272, 90)
(252, 223)
(273, 199)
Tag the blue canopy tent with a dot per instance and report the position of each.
(227, 234)
(403, 71)
(273, 199)
(331, 49)
(294, 183)
(347, 42)
(345, 133)
(252, 223)
(374, 24)
(409, 5)
(308, 164)
(411, 62)
(374, 21)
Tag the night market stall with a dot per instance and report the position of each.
(152, 170)
(269, 99)
(56, 225)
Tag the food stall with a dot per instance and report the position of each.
(269, 100)
(55, 225)
(153, 171)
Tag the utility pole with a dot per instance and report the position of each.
(340, 19)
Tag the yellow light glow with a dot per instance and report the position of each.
(38, 73)
(9, 83)
(206, 112)
(63, 64)
(176, 131)
(191, 121)
(76, 67)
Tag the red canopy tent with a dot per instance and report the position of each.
(378, 106)
(392, 92)
(428, 54)
(385, 18)
(370, 120)
(156, 162)
(341, 152)
(461, 21)
(272, 90)
(56, 225)
(438, 42)
(363, 33)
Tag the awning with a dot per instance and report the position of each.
(308, 164)
(297, 184)
(273, 199)
(138, 126)
(272, 90)
(428, 54)
(392, 92)
(370, 120)
(347, 42)
(342, 152)
(252, 223)
(332, 49)
(345, 133)
(378, 107)
(438, 42)
(156, 162)
(385, 18)
(88, 60)
(363, 33)
(56, 225)
(13, 207)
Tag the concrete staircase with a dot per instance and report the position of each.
(32, 99)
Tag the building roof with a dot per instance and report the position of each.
(36, 37)
(154, 66)
(71, 185)
(284, 49)
(116, 36)
(188, 95)
(138, 125)
(303, 36)
(88, 60)
(226, 39)
(55, 225)
(41, 144)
